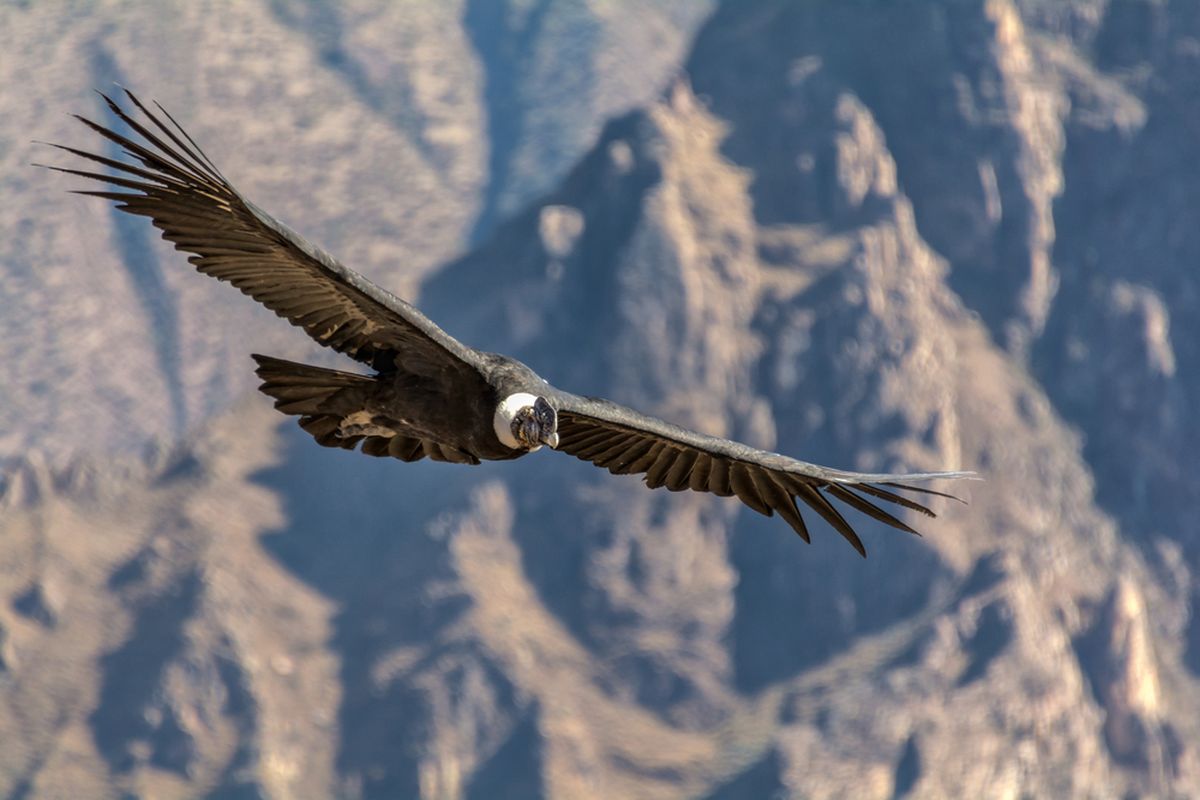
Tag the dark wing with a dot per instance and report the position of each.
(235, 241)
(625, 442)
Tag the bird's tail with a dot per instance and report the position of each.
(303, 389)
(322, 398)
(334, 408)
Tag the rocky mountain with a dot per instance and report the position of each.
(879, 236)
(392, 110)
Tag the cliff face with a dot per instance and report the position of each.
(380, 133)
(879, 236)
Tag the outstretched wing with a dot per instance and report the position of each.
(623, 441)
(233, 240)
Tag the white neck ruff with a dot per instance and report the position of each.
(506, 412)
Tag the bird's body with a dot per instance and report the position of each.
(429, 395)
(403, 414)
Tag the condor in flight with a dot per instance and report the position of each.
(429, 394)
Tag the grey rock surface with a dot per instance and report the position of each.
(877, 236)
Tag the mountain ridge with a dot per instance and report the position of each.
(763, 252)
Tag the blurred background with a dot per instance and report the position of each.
(879, 236)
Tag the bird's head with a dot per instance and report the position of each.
(526, 422)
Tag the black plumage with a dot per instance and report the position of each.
(430, 396)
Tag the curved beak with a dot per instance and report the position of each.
(552, 440)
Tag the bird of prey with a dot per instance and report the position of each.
(429, 395)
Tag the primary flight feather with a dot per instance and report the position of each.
(430, 395)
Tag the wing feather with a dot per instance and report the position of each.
(376, 446)
(172, 182)
(848, 497)
(603, 445)
(743, 486)
(625, 464)
(814, 498)
(643, 463)
(718, 478)
(614, 449)
(667, 455)
(656, 474)
(406, 448)
(783, 502)
(678, 475)
(698, 482)
(592, 438)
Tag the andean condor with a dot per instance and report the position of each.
(429, 394)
